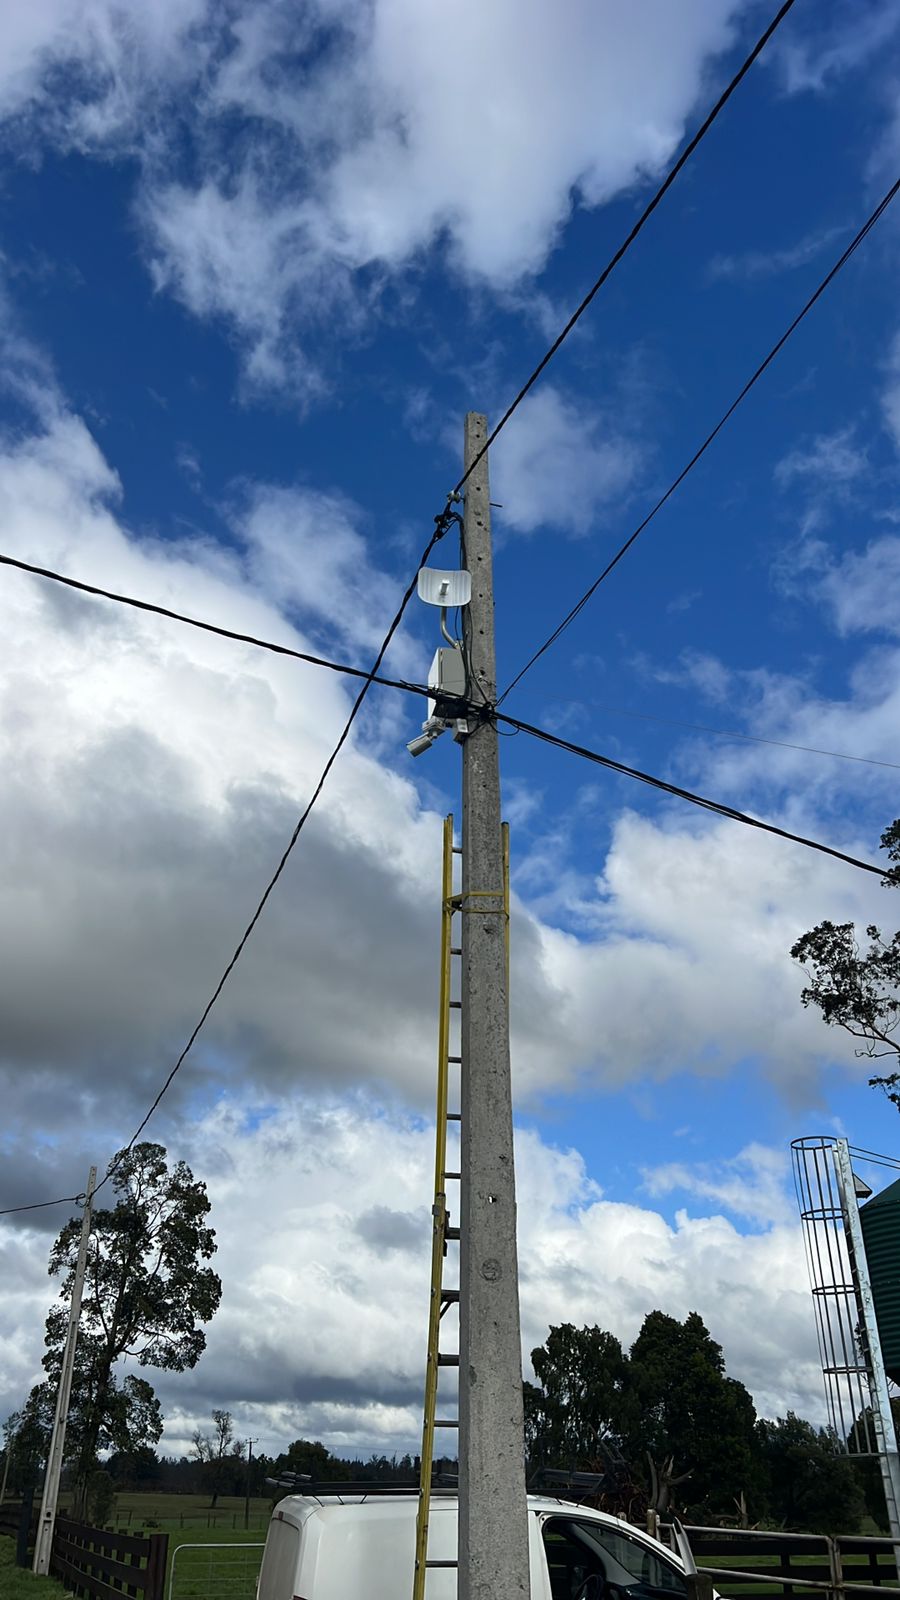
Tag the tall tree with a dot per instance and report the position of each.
(857, 987)
(27, 1440)
(212, 1450)
(668, 1408)
(146, 1296)
(811, 1485)
(578, 1406)
(685, 1413)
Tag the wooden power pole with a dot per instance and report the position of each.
(44, 1541)
(493, 1519)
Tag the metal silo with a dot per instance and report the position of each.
(880, 1222)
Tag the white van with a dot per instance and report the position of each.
(335, 1548)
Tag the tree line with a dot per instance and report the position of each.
(665, 1426)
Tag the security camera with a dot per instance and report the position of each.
(431, 730)
(421, 743)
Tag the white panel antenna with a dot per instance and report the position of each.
(447, 589)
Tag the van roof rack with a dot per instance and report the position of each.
(318, 1490)
(566, 1485)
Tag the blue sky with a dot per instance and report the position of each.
(257, 262)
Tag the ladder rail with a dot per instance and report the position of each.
(439, 1218)
(441, 1230)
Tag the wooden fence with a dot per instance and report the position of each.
(11, 1516)
(100, 1564)
(18, 1518)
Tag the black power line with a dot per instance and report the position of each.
(210, 627)
(644, 217)
(40, 1205)
(726, 417)
(706, 804)
(441, 525)
(726, 733)
(420, 689)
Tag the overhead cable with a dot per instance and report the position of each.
(699, 453)
(420, 689)
(625, 246)
(40, 1205)
(750, 738)
(441, 525)
(211, 627)
(706, 804)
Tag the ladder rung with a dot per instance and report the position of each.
(451, 1233)
(457, 851)
(447, 1360)
(452, 1174)
(456, 949)
(442, 1563)
(446, 1422)
(456, 1005)
(451, 1296)
(454, 1116)
(454, 1061)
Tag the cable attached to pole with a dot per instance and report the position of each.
(716, 806)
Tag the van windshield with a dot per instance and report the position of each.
(588, 1561)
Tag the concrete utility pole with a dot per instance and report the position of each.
(44, 1541)
(493, 1525)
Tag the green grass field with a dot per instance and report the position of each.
(173, 1512)
(18, 1584)
(205, 1572)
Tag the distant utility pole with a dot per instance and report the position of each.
(493, 1522)
(47, 1521)
(250, 1444)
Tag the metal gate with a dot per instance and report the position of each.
(214, 1571)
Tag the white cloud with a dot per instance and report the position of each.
(324, 1261)
(87, 69)
(694, 669)
(844, 38)
(559, 463)
(828, 462)
(356, 156)
(861, 588)
(752, 1185)
(890, 397)
(250, 260)
(306, 553)
(752, 265)
(612, 106)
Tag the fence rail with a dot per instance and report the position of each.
(214, 1571)
(744, 1562)
(100, 1564)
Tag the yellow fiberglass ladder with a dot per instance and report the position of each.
(442, 1232)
